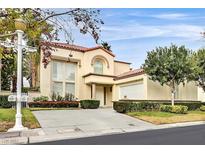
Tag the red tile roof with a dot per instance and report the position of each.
(75, 47)
(131, 73)
(65, 46)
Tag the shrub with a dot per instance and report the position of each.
(54, 104)
(69, 97)
(166, 108)
(24, 90)
(202, 108)
(123, 107)
(179, 109)
(41, 98)
(4, 103)
(89, 104)
(192, 105)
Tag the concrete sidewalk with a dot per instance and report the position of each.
(72, 135)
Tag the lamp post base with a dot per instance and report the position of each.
(17, 129)
(18, 125)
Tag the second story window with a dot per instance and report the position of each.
(63, 77)
(98, 67)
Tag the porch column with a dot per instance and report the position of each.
(93, 90)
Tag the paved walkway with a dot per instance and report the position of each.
(98, 120)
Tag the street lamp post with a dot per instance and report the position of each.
(20, 27)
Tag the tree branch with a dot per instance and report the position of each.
(57, 14)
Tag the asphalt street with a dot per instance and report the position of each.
(191, 135)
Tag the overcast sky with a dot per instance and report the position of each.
(133, 32)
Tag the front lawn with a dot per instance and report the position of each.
(158, 118)
(7, 119)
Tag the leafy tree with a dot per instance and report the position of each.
(8, 70)
(106, 46)
(48, 25)
(169, 66)
(198, 65)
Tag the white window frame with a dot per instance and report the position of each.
(98, 60)
(64, 81)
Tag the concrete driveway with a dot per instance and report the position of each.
(71, 121)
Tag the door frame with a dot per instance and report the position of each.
(105, 95)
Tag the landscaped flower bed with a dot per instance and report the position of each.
(54, 104)
(158, 113)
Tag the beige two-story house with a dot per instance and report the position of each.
(93, 73)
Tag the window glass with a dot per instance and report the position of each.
(63, 75)
(98, 67)
(70, 71)
(70, 88)
(57, 71)
(58, 88)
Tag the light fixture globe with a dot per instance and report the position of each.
(20, 24)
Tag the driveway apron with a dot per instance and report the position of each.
(88, 120)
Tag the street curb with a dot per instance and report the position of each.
(14, 140)
(38, 139)
(48, 138)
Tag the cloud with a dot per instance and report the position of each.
(134, 31)
(170, 16)
(167, 16)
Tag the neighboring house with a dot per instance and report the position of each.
(93, 73)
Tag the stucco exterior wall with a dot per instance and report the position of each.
(45, 79)
(120, 68)
(108, 68)
(201, 94)
(84, 66)
(189, 91)
(155, 91)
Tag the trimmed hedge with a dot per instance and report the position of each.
(179, 109)
(54, 104)
(192, 105)
(4, 103)
(40, 99)
(124, 107)
(202, 108)
(89, 104)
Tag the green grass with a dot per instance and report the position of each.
(7, 115)
(157, 117)
(7, 119)
(154, 113)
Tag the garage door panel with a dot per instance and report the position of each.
(134, 91)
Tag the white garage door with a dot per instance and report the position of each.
(134, 91)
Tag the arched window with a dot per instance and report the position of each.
(98, 67)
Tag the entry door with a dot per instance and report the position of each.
(100, 94)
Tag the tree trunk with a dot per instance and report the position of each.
(33, 76)
(173, 93)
